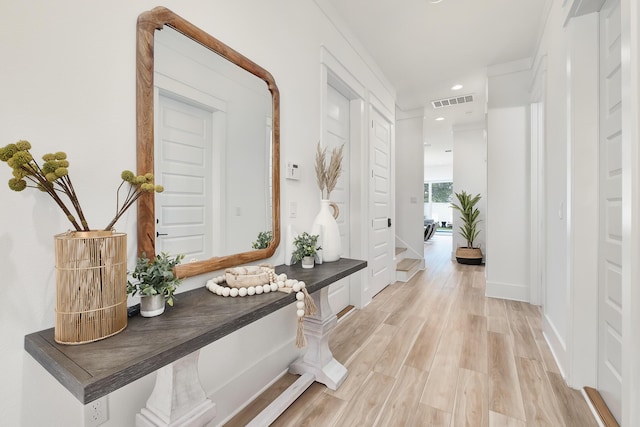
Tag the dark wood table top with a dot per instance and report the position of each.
(90, 371)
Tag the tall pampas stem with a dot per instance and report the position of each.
(321, 166)
(328, 177)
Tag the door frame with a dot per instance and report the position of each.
(334, 73)
(378, 106)
(630, 41)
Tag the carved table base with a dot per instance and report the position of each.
(318, 359)
(177, 400)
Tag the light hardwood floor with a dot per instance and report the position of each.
(436, 352)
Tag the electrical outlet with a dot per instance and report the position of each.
(96, 413)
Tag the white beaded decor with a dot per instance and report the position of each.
(276, 283)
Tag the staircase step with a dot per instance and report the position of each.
(400, 250)
(407, 268)
(407, 264)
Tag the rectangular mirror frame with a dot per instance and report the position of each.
(148, 23)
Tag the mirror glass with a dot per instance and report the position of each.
(213, 119)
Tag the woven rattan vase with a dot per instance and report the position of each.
(91, 285)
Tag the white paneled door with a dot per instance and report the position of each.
(381, 237)
(184, 157)
(610, 234)
(337, 131)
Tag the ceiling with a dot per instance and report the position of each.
(425, 48)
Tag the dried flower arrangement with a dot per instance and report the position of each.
(53, 178)
(327, 178)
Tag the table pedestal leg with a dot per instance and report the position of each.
(177, 398)
(318, 359)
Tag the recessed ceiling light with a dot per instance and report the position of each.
(456, 87)
(439, 119)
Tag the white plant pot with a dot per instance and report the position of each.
(308, 262)
(151, 306)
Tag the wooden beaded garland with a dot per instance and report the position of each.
(277, 282)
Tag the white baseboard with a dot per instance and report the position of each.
(507, 291)
(556, 344)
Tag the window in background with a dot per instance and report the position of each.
(441, 192)
(437, 203)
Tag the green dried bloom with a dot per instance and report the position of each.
(146, 187)
(149, 177)
(49, 167)
(60, 172)
(140, 179)
(8, 151)
(63, 163)
(19, 173)
(5, 154)
(48, 157)
(20, 158)
(159, 188)
(17, 184)
(127, 176)
(60, 155)
(23, 145)
(11, 162)
(51, 176)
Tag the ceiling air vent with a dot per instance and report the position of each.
(447, 102)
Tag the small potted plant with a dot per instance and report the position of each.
(469, 228)
(306, 248)
(155, 282)
(263, 240)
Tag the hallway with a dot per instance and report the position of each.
(436, 352)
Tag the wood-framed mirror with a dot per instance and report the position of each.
(240, 180)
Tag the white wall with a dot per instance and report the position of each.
(68, 83)
(409, 185)
(551, 65)
(507, 223)
(470, 175)
(438, 173)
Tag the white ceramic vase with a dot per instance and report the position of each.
(326, 226)
(152, 305)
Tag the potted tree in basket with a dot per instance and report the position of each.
(155, 281)
(306, 249)
(469, 228)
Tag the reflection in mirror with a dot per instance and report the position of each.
(212, 151)
(215, 150)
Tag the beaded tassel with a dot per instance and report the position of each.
(301, 340)
(309, 306)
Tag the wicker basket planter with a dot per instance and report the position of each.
(91, 285)
(470, 256)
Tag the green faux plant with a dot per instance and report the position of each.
(53, 178)
(153, 277)
(306, 245)
(469, 216)
(263, 240)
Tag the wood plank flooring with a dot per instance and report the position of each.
(435, 351)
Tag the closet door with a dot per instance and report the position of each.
(610, 234)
